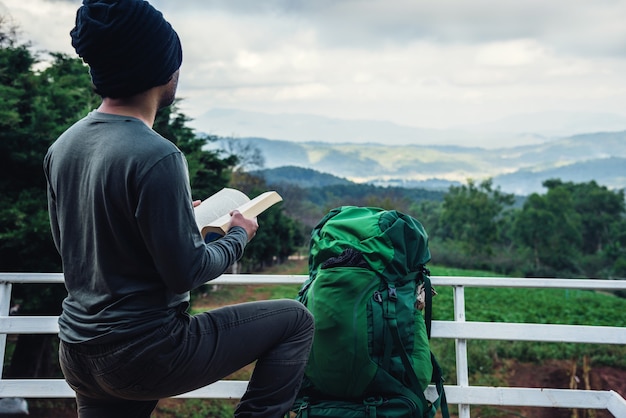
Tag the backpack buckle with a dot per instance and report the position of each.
(378, 297)
(393, 293)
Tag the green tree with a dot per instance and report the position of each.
(599, 207)
(471, 214)
(428, 212)
(550, 226)
(36, 107)
(575, 228)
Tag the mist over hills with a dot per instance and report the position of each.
(518, 153)
(312, 128)
(512, 131)
(521, 170)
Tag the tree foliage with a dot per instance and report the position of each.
(36, 107)
(575, 227)
(39, 105)
(471, 215)
(548, 223)
(571, 230)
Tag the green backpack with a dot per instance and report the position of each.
(366, 289)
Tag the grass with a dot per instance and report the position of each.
(555, 306)
(195, 408)
(450, 271)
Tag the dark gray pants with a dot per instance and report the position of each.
(126, 379)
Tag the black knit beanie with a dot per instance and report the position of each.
(128, 45)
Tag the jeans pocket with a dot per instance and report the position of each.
(72, 370)
(137, 370)
(131, 379)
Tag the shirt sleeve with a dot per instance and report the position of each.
(167, 223)
(52, 205)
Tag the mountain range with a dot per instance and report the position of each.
(520, 170)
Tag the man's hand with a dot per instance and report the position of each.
(250, 225)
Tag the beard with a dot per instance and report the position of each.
(169, 93)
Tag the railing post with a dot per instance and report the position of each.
(462, 372)
(5, 306)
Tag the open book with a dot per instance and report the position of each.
(213, 214)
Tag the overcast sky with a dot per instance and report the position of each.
(426, 63)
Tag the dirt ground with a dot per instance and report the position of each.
(557, 374)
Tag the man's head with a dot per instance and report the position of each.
(128, 45)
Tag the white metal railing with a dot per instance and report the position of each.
(459, 329)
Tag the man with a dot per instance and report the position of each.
(122, 219)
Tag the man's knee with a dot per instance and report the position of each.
(305, 317)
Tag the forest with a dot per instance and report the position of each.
(572, 230)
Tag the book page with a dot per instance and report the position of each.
(218, 205)
(249, 209)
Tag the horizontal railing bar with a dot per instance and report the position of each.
(29, 324)
(35, 388)
(472, 330)
(472, 395)
(591, 284)
(246, 279)
(31, 278)
(535, 397)
(440, 329)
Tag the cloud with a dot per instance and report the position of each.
(45, 23)
(567, 25)
(436, 63)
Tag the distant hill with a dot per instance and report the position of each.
(521, 170)
(609, 172)
(302, 177)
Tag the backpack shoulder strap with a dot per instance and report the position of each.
(437, 377)
(390, 317)
(428, 293)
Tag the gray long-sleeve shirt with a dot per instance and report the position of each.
(122, 219)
